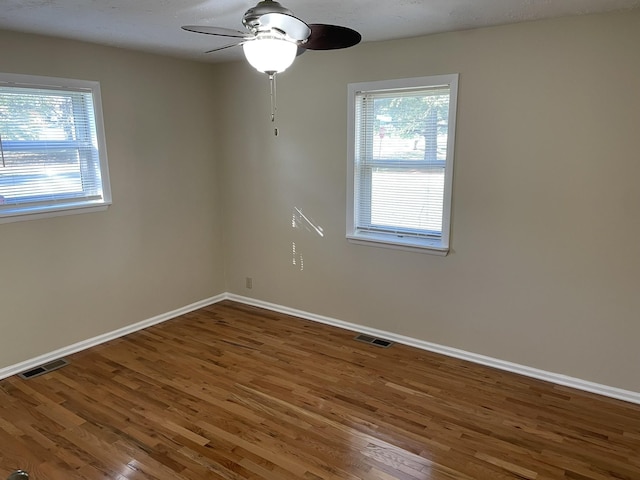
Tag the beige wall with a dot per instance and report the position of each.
(67, 279)
(545, 265)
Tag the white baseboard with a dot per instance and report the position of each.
(557, 378)
(92, 342)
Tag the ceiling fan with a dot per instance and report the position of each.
(274, 36)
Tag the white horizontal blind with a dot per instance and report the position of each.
(400, 159)
(49, 149)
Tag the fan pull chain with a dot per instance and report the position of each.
(2, 151)
(274, 106)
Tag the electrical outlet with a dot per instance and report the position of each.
(248, 282)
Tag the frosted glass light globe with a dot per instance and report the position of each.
(268, 54)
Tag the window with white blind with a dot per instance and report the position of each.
(400, 167)
(53, 158)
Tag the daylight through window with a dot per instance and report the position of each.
(401, 161)
(52, 153)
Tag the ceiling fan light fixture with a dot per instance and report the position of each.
(269, 54)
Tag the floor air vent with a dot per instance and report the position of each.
(18, 475)
(46, 368)
(378, 342)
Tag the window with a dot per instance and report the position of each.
(52, 152)
(400, 168)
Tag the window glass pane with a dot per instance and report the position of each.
(38, 174)
(38, 114)
(411, 127)
(403, 199)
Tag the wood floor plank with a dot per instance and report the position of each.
(234, 392)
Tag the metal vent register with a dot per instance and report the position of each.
(18, 475)
(378, 342)
(46, 368)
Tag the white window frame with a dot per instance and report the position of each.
(437, 245)
(73, 204)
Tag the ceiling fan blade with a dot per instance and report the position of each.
(221, 32)
(288, 25)
(331, 37)
(222, 48)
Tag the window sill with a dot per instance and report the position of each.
(19, 215)
(409, 244)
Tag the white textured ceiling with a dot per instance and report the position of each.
(154, 25)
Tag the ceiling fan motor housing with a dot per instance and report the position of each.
(251, 18)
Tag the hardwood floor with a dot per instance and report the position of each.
(236, 392)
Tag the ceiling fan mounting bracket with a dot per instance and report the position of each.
(251, 18)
